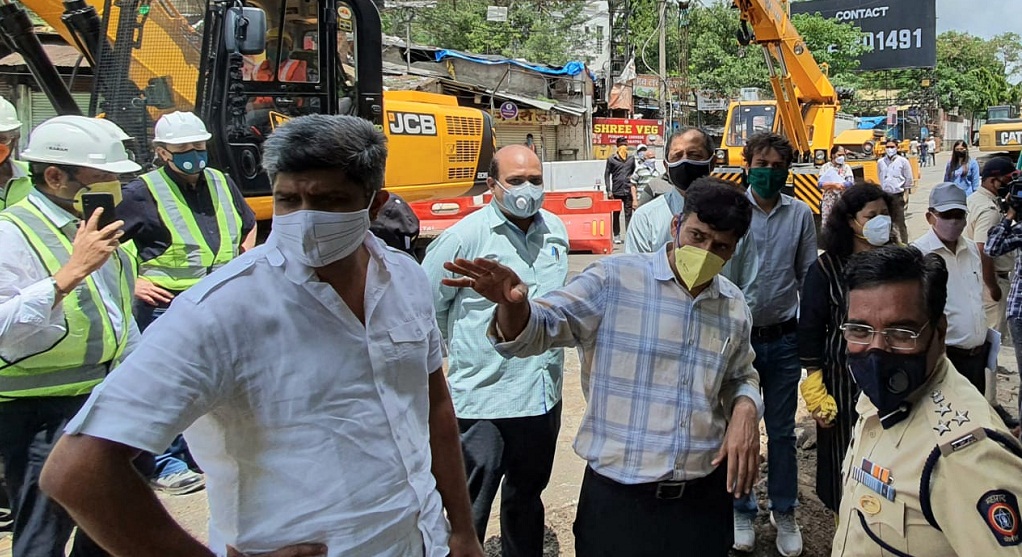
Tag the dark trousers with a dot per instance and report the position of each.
(971, 366)
(29, 428)
(618, 520)
(515, 455)
(626, 204)
(899, 216)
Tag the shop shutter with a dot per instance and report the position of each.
(546, 136)
(41, 110)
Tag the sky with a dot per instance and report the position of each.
(995, 16)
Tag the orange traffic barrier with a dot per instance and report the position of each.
(439, 215)
(586, 215)
(588, 218)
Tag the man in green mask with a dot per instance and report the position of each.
(785, 233)
(671, 432)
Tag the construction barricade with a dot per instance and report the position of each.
(587, 216)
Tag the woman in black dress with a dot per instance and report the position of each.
(823, 311)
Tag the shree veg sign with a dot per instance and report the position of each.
(607, 130)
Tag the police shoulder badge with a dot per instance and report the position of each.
(999, 509)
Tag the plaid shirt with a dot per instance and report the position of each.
(1005, 238)
(660, 370)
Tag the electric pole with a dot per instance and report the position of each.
(664, 101)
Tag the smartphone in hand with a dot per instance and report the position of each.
(93, 201)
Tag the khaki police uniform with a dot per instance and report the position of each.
(946, 481)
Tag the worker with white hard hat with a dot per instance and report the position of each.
(186, 220)
(15, 183)
(65, 311)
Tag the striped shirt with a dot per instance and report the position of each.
(1005, 238)
(660, 370)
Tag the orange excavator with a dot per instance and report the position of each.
(150, 57)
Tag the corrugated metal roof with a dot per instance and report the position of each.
(62, 56)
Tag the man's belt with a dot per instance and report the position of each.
(774, 332)
(969, 352)
(657, 490)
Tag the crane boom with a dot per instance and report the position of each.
(795, 76)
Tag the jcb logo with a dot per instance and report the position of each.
(409, 123)
(1010, 138)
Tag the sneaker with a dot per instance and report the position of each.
(179, 483)
(745, 532)
(617, 239)
(789, 535)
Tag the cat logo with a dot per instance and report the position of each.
(410, 123)
(1010, 138)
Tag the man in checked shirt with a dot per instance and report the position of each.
(671, 426)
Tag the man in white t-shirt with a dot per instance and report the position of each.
(307, 376)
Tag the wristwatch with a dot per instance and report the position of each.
(56, 288)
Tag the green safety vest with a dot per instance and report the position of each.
(189, 258)
(82, 357)
(17, 188)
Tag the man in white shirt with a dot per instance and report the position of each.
(307, 376)
(896, 179)
(65, 313)
(966, 322)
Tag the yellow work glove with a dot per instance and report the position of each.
(818, 401)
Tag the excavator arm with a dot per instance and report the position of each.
(795, 76)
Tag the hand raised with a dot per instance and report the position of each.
(493, 281)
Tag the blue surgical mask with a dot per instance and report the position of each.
(523, 200)
(191, 162)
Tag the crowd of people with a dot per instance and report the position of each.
(309, 375)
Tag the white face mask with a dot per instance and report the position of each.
(839, 160)
(877, 230)
(319, 238)
(891, 151)
(523, 200)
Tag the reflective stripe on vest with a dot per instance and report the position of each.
(80, 359)
(189, 258)
(18, 187)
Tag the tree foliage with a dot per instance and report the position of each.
(543, 31)
(719, 63)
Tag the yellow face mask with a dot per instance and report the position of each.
(622, 152)
(696, 266)
(113, 188)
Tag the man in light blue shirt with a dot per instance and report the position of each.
(688, 157)
(509, 410)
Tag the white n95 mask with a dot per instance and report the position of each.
(319, 238)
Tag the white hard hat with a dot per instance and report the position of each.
(79, 141)
(180, 127)
(113, 128)
(8, 116)
(641, 147)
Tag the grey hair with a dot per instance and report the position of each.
(347, 144)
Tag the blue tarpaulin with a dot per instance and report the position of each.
(571, 68)
(872, 122)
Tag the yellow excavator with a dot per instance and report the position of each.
(804, 110)
(225, 60)
(1002, 131)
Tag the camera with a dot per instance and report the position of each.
(1010, 195)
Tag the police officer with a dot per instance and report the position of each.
(15, 183)
(65, 313)
(931, 470)
(185, 220)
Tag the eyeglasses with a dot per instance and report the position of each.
(895, 337)
(8, 138)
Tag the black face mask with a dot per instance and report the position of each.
(888, 378)
(683, 172)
